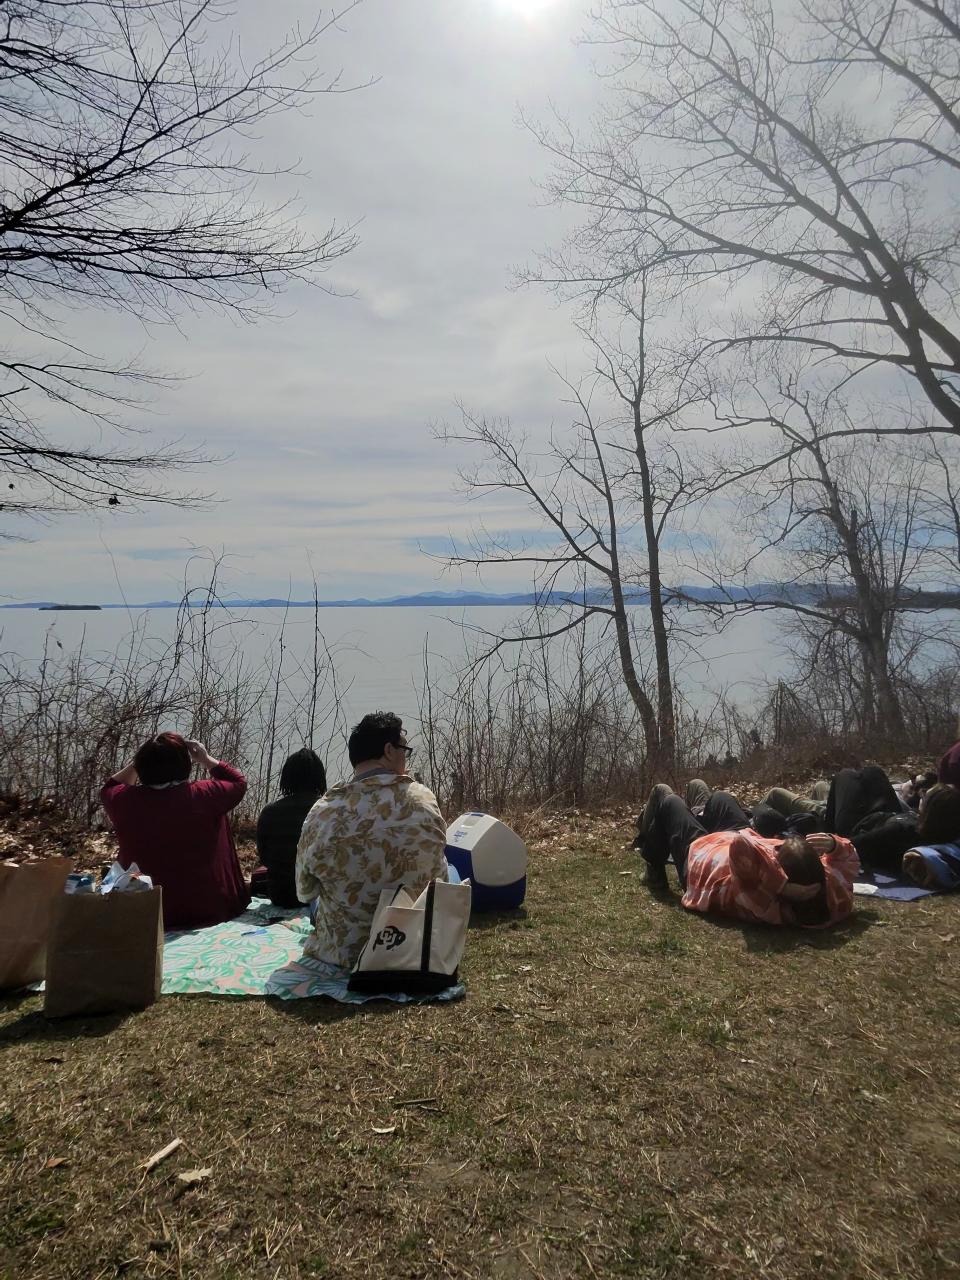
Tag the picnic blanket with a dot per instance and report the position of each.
(234, 958)
(306, 978)
(877, 884)
(260, 953)
(944, 859)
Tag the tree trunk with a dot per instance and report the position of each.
(658, 622)
(652, 735)
(887, 714)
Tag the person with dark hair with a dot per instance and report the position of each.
(379, 830)
(163, 761)
(303, 781)
(802, 880)
(177, 831)
(801, 864)
(375, 737)
(939, 821)
(727, 868)
(934, 860)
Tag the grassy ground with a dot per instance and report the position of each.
(627, 1090)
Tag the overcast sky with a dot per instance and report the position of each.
(323, 416)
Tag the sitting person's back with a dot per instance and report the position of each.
(303, 781)
(177, 830)
(771, 881)
(379, 830)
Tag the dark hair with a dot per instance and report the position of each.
(928, 779)
(164, 758)
(368, 738)
(801, 865)
(303, 771)
(940, 816)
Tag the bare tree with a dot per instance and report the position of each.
(795, 174)
(127, 187)
(647, 384)
(844, 528)
(604, 506)
(944, 504)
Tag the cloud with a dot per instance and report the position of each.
(156, 553)
(321, 417)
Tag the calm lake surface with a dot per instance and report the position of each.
(379, 652)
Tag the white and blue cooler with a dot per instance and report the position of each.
(492, 857)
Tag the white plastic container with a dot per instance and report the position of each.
(492, 857)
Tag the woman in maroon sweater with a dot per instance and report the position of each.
(177, 831)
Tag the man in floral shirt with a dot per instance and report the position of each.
(379, 830)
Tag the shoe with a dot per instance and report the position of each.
(649, 813)
(656, 879)
(697, 794)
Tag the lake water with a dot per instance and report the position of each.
(379, 652)
(378, 656)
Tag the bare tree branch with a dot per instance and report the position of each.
(127, 187)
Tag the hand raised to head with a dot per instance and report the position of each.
(822, 842)
(199, 753)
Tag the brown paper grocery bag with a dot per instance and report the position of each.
(105, 953)
(27, 896)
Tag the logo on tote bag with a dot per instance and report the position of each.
(389, 937)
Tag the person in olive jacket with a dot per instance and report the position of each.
(303, 781)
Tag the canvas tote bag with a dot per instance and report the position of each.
(105, 953)
(415, 946)
(28, 893)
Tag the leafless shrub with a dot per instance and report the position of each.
(70, 719)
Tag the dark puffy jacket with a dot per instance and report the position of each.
(883, 838)
(278, 831)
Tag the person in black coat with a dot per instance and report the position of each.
(303, 781)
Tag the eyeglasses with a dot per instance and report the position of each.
(402, 746)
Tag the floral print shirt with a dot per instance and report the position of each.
(371, 833)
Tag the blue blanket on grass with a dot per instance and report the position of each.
(942, 859)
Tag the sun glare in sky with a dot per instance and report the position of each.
(529, 9)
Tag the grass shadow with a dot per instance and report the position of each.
(35, 1026)
(497, 919)
(772, 938)
(10, 1001)
(324, 1010)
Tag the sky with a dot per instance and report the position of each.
(323, 418)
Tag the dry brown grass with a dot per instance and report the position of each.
(626, 1090)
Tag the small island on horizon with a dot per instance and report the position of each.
(71, 607)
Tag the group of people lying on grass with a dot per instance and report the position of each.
(794, 858)
(791, 861)
(333, 849)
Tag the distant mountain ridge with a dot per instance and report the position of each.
(787, 592)
(447, 599)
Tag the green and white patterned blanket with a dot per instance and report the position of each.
(260, 954)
